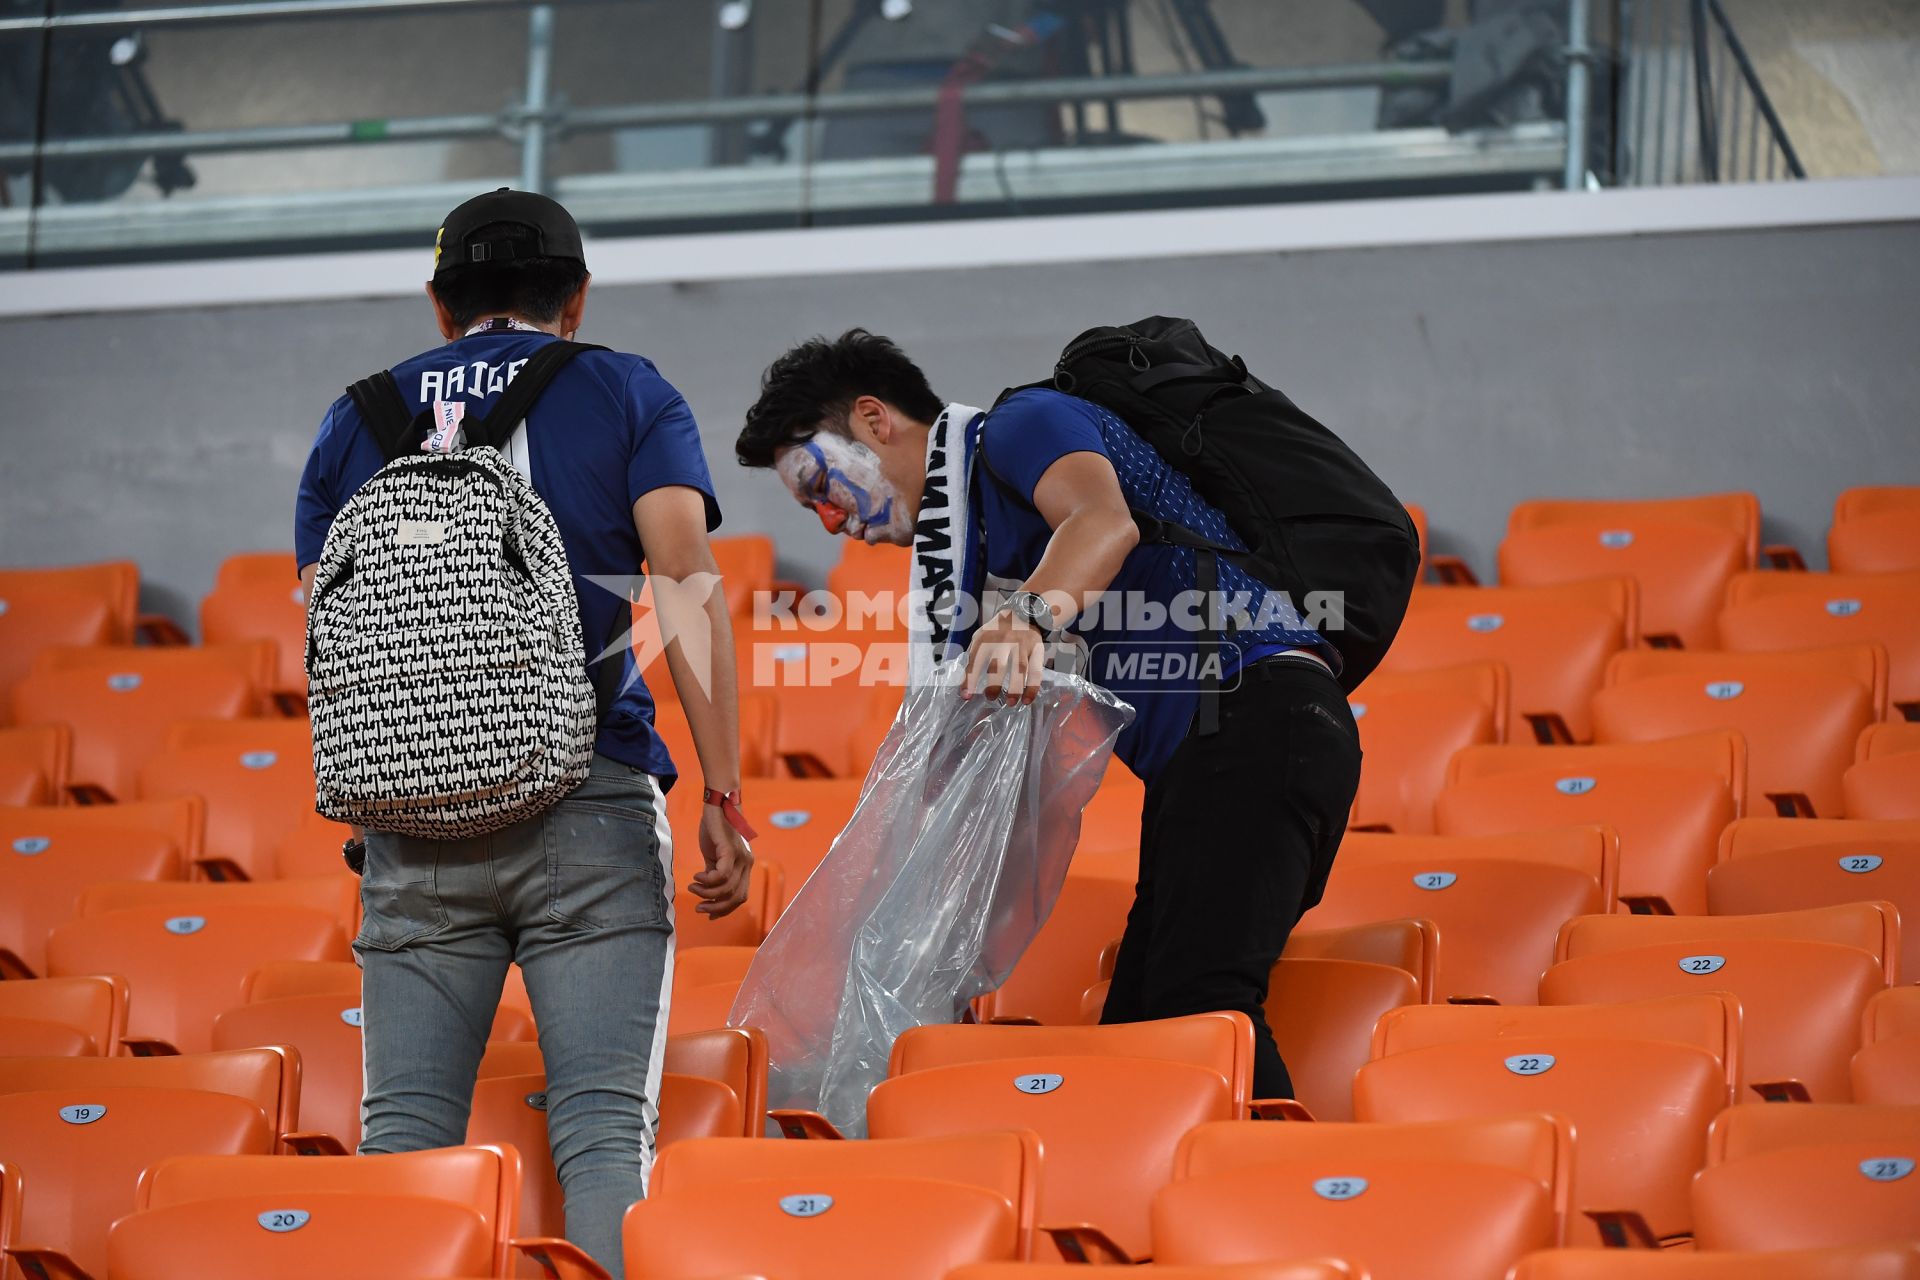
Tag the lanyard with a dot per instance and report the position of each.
(501, 324)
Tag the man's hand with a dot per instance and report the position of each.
(722, 886)
(1005, 659)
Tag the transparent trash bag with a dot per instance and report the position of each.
(950, 864)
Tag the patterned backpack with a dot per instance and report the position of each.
(445, 669)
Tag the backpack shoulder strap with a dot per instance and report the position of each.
(517, 400)
(385, 411)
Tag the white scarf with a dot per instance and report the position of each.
(947, 557)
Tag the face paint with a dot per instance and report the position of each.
(843, 484)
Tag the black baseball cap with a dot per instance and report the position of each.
(555, 235)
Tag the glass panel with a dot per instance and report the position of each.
(20, 80)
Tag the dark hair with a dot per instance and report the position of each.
(817, 382)
(534, 287)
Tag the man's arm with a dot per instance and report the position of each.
(686, 593)
(1093, 531)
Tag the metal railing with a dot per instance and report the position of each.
(1694, 108)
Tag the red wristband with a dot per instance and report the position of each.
(729, 803)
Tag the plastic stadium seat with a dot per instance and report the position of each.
(1108, 1125)
(268, 1078)
(865, 743)
(182, 969)
(822, 1227)
(798, 818)
(1884, 781)
(1781, 864)
(81, 605)
(81, 1151)
(746, 566)
(1322, 1013)
(1539, 1146)
(1710, 1022)
(483, 1180)
(512, 1111)
(339, 980)
(1875, 530)
(826, 684)
(1306, 1269)
(1110, 827)
(338, 895)
(1872, 927)
(1418, 1219)
(1681, 566)
(1800, 711)
(759, 716)
(92, 1010)
(1554, 641)
(1640, 1107)
(707, 1170)
(870, 567)
(1886, 1070)
(1769, 611)
(1220, 1042)
(1802, 1000)
(1667, 800)
(736, 1057)
(1064, 957)
(256, 777)
(312, 848)
(1499, 901)
(1738, 512)
(1411, 724)
(326, 1031)
(1757, 1128)
(34, 762)
(1412, 945)
(49, 857)
(120, 702)
(257, 596)
(743, 927)
(1855, 1262)
(1837, 1193)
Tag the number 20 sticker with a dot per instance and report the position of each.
(283, 1220)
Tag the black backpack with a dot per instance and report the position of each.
(1313, 515)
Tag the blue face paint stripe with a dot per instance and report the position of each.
(862, 500)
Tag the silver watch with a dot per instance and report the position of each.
(1032, 608)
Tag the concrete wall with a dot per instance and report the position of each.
(1471, 375)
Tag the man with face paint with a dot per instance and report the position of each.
(1240, 824)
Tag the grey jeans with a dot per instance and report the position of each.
(581, 898)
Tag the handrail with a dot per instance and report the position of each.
(1759, 91)
(251, 10)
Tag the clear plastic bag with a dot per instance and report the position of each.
(950, 864)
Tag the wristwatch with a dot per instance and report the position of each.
(1032, 608)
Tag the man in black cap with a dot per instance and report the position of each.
(581, 895)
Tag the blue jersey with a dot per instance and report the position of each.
(1149, 657)
(607, 429)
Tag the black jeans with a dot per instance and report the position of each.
(1237, 837)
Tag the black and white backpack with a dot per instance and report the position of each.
(445, 669)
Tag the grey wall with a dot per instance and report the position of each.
(1472, 376)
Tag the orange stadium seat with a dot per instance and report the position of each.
(327, 1236)
(257, 596)
(1803, 1197)
(1306, 1269)
(1886, 1070)
(1802, 1001)
(759, 716)
(827, 683)
(89, 1013)
(485, 1181)
(1738, 512)
(1769, 611)
(50, 856)
(736, 1057)
(1872, 927)
(1389, 1216)
(256, 777)
(1539, 1146)
(1640, 1107)
(1875, 530)
(338, 895)
(747, 926)
(312, 848)
(1220, 1042)
(91, 604)
(1110, 826)
(81, 1151)
(34, 763)
(512, 1111)
(708, 1170)
(871, 567)
(340, 981)
(798, 819)
(1801, 712)
(1498, 901)
(1108, 1125)
(1757, 1128)
(183, 969)
(1783, 864)
(1667, 800)
(326, 1031)
(808, 1227)
(1884, 781)
(746, 566)
(1411, 724)
(1412, 945)
(1322, 1013)
(120, 702)
(1853, 1262)
(1064, 958)
(1681, 564)
(1554, 641)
